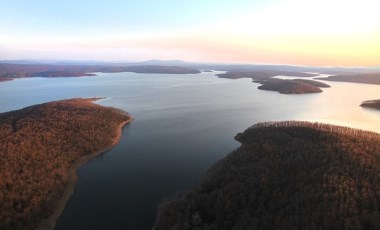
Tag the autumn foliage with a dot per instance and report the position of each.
(286, 175)
(38, 144)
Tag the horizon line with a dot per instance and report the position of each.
(4, 61)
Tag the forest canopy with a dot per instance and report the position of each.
(286, 175)
(38, 145)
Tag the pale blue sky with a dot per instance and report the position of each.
(92, 17)
(302, 32)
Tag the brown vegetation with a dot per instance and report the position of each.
(9, 71)
(375, 104)
(291, 86)
(313, 83)
(296, 86)
(264, 74)
(61, 74)
(286, 175)
(366, 78)
(5, 79)
(38, 145)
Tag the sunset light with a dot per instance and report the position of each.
(336, 32)
(189, 114)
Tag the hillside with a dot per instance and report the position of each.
(286, 175)
(38, 145)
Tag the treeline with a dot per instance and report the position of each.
(10, 71)
(38, 145)
(286, 175)
(319, 126)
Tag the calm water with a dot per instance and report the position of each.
(184, 123)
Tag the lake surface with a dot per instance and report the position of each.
(183, 124)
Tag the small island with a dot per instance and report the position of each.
(42, 146)
(264, 74)
(286, 175)
(374, 104)
(268, 82)
(295, 86)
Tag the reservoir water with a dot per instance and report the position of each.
(183, 124)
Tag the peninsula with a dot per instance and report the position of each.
(365, 78)
(375, 104)
(42, 147)
(286, 175)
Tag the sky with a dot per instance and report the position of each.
(297, 32)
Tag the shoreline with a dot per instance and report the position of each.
(50, 222)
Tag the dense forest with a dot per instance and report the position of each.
(38, 144)
(286, 175)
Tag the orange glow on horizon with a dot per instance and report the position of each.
(297, 32)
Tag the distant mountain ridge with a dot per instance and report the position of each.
(199, 65)
(10, 69)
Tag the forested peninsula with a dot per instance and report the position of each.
(286, 175)
(41, 148)
(374, 104)
(364, 78)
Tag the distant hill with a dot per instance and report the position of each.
(200, 65)
(38, 146)
(371, 78)
(286, 175)
(161, 69)
(20, 62)
(163, 62)
(10, 71)
(263, 74)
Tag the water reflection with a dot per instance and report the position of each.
(184, 123)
